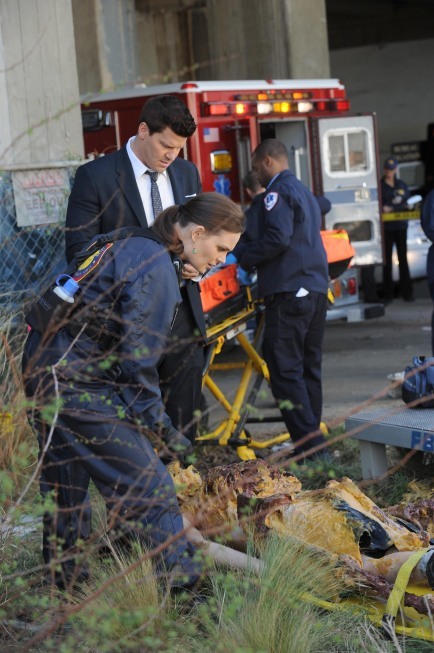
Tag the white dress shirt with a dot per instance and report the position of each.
(144, 184)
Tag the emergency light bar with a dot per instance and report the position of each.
(275, 95)
(266, 106)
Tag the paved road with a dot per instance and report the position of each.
(357, 359)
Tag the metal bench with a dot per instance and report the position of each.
(402, 427)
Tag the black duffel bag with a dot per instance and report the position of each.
(418, 384)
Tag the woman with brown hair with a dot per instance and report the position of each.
(94, 385)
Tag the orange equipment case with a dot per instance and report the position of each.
(223, 285)
(338, 249)
(219, 287)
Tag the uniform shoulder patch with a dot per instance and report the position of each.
(91, 263)
(270, 200)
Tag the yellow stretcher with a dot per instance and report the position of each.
(231, 430)
(393, 617)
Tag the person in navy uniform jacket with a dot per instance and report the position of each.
(285, 247)
(102, 365)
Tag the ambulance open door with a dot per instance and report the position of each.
(348, 171)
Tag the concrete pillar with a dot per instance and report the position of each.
(122, 42)
(306, 30)
(253, 39)
(164, 40)
(105, 35)
(39, 101)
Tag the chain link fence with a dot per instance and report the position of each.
(31, 254)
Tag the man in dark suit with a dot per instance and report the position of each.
(116, 191)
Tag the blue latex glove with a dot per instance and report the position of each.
(244, 277)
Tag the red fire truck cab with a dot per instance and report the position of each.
(333, 152)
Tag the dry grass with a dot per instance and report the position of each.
(134, 609)
(18, 447)
(272, 614)
(126, 608)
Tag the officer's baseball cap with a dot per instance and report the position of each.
(391, 163)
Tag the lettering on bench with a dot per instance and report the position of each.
(422, 440)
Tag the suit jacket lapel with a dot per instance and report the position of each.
(177, 182)
(128, 186)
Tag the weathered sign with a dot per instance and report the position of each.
(40, 196)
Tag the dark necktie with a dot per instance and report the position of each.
(157, 205)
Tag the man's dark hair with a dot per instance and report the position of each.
(251, 182)
(168, 111)
(271, 147)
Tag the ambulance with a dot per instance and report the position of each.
(332, 151)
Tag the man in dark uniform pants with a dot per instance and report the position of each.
(115, 191)
(287, 250)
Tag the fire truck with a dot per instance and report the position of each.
(333, 152)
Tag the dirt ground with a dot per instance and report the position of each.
(357, 358)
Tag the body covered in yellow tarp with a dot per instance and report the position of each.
(340, 518)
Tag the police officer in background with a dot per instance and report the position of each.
(394, 194)
(286, 249)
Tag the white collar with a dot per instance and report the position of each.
(138, 166)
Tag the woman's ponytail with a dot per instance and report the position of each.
(164, 229)
(213, 211)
